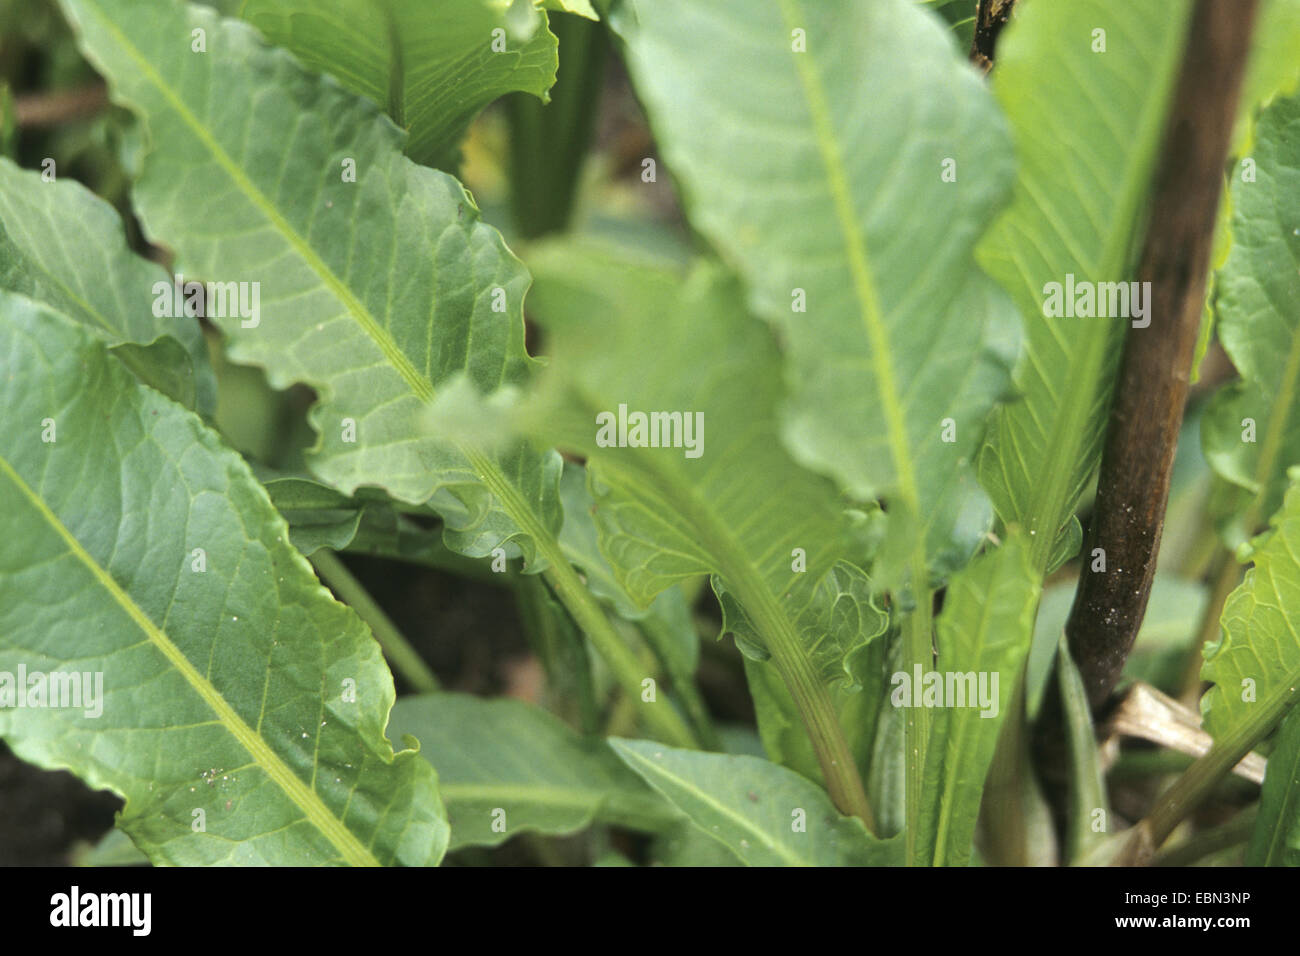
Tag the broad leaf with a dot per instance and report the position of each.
(375, 292)
(983, 634)
(666, 514)
(816, 146)
(764, 814)
(64, 246)
(506, 768)
(1086, 152)
(431, 65)
(1251, 432)
(143, 552)
(1087, 780)
(1255, 666)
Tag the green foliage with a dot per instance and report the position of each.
(864, 138)
(985, 630)
(430, 66)
(1255, 667)
(505, 768)
(829, 418)
(64, 246)
(358, 328)
(1250, 432)
(262, 707)
(766, 815)
(1102, 144)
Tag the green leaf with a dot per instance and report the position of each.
(818, 173)
(1276, 837)
(666, 625)
(374, 292)
(579, 538)
(570, 690)
(62, 245)
(318, 516)
(784, 739)
(368, 522)
(1086, 152)
(1251, 431)
(983, 633)
(687, 846)
(1255, 666)
(231, 682)
(667, 514)
(503, 760)
(837, 626)
(765, 814)
(1087, 781)
(431, 66)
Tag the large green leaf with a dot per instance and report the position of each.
(64, 246)
(667, 514)
(1255, 665)
(1086, 149)
(374, 292)
(984, 632)
(810, 143)
(1251, 432)
(765, 814)
(231, 682)
(431, 65)
(505, 768)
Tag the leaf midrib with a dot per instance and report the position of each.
(918, 636)
(391, 351)
(489, 471)
(864, 287)
(313, 809)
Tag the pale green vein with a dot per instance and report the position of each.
(855, 244)
(316, 812)
(778, 631)
(421, 387)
